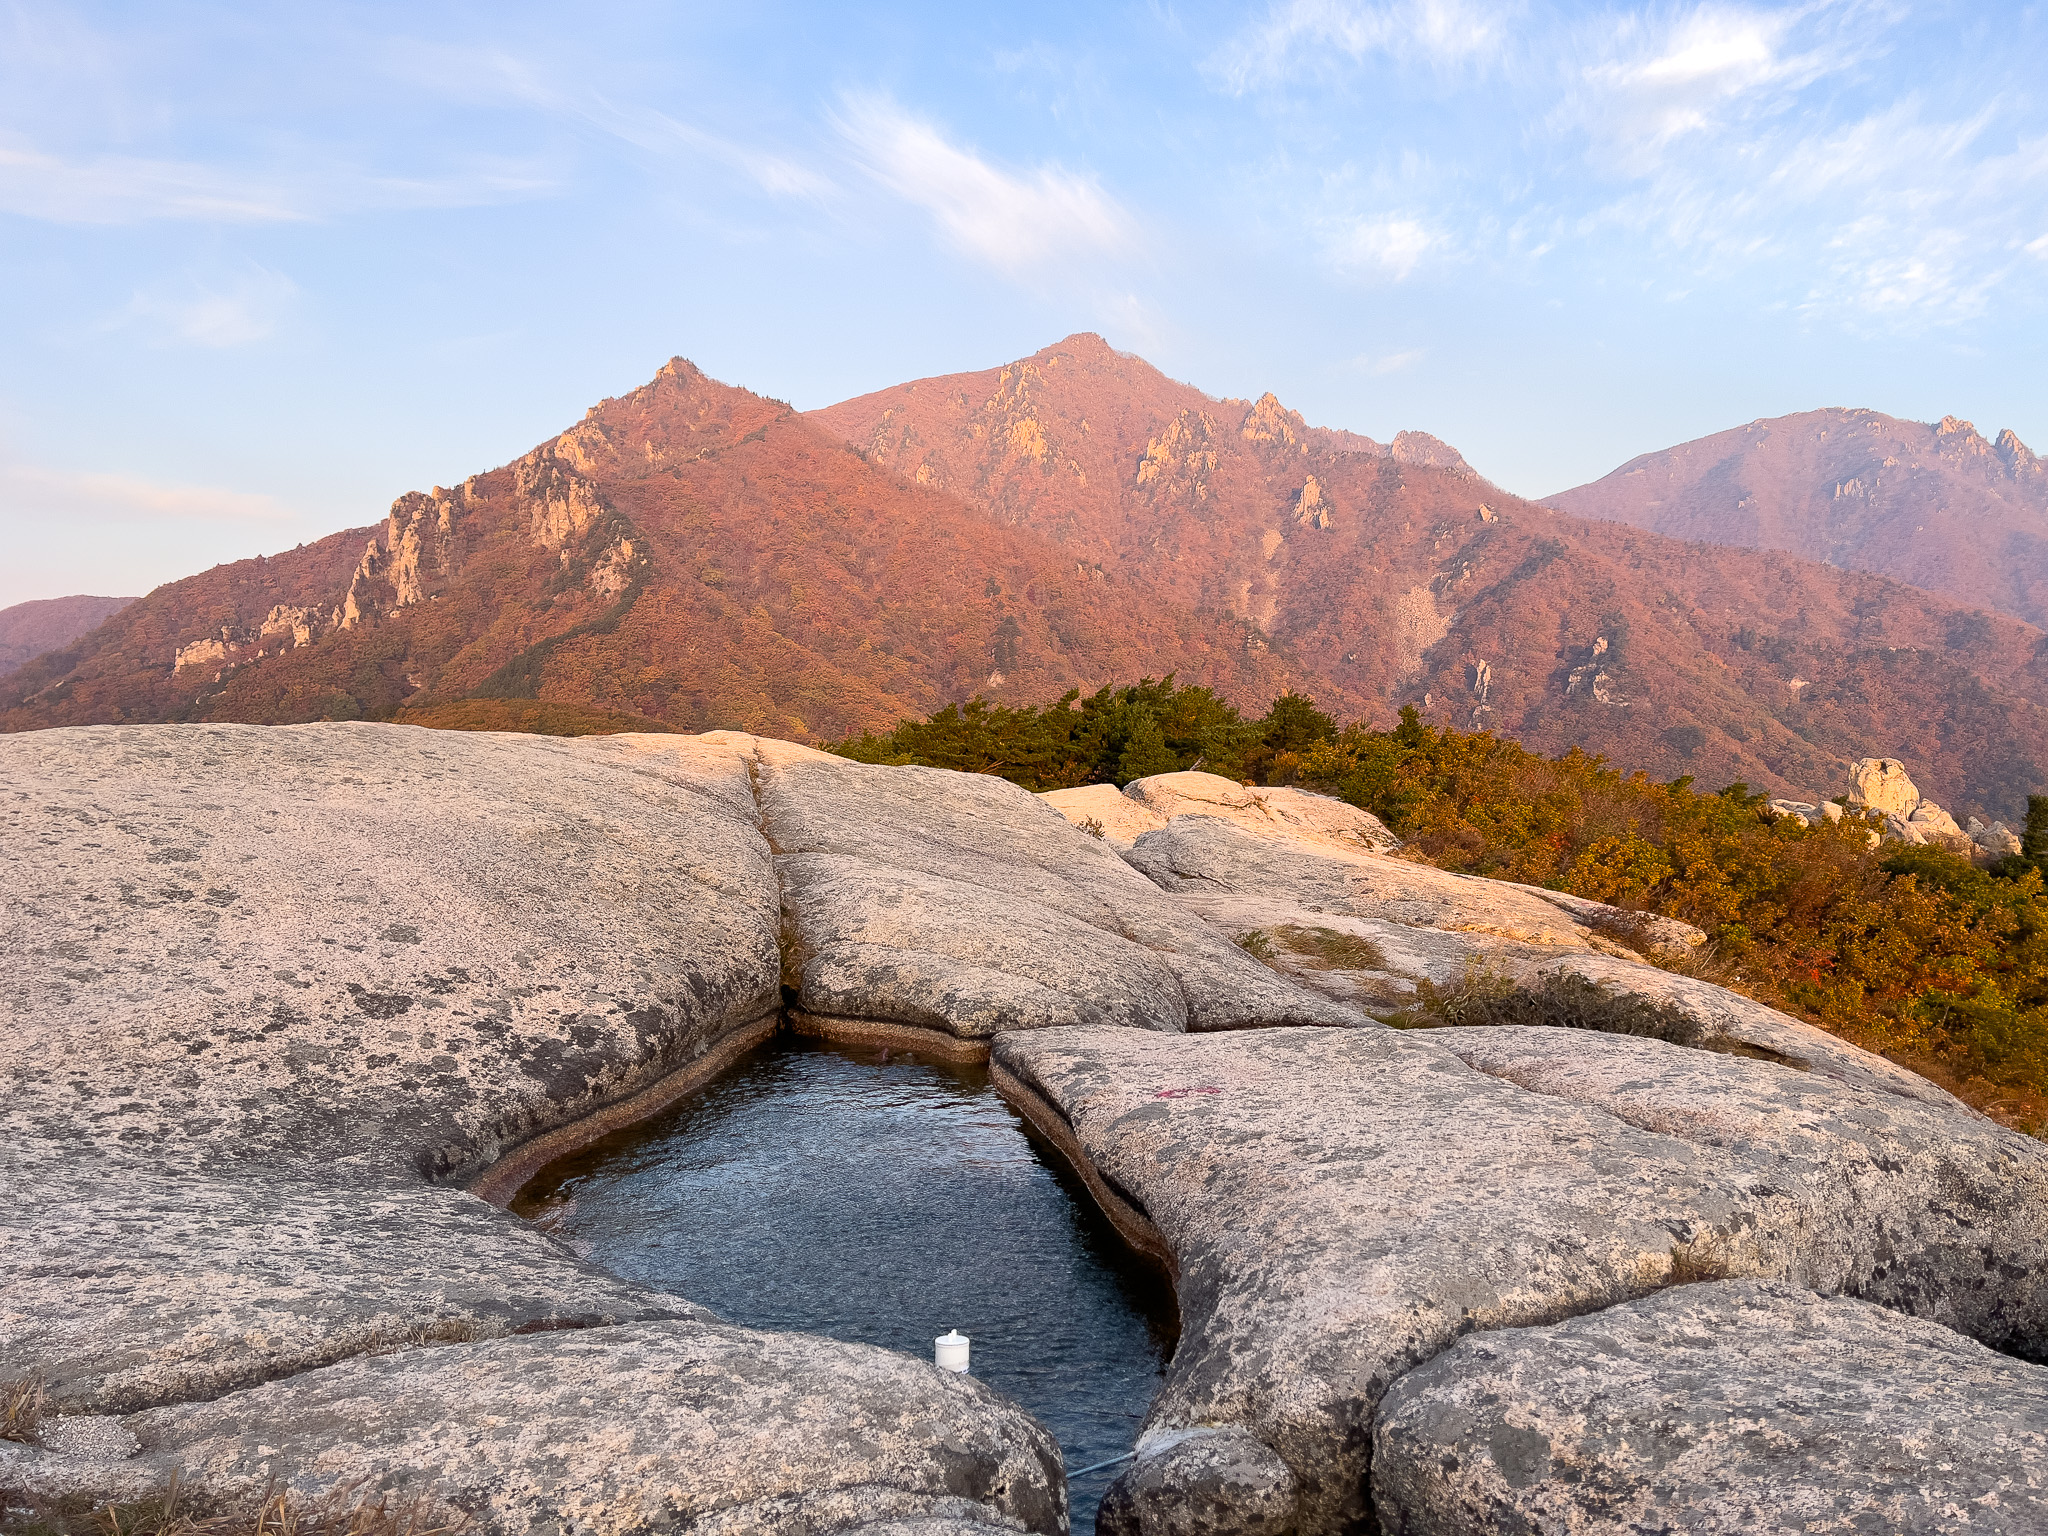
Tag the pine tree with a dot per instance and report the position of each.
(1145, 750)
(2034, 844)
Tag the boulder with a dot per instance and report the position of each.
(1295, 814)
(1882, 784)
(1997, 841)
(1717, 1408)
(1934, 822)
(1200, 1482)
(1340, 1206)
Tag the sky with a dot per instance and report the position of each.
(265, 268)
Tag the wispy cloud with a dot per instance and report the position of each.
(106, 498)
(1019, 222)
(1689, 144)
(244, 308)
(1301, 34)
(498, 74)
(1379, 364)
(123, 189)
(1659, 77)
(1388, 246)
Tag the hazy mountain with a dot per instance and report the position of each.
(1937, 506)
(698, 555)
(29, 629)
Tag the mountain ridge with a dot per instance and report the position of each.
(1936, 505)
(698, 555)
(28, 630)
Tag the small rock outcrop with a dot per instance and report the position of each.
(1881, 786)
(1200, 1482)
(1723, 1408)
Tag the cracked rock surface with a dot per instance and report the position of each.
(962, 904)
(1430, 924)
(1342, 1206)
(274, 994)
(1729, 1408)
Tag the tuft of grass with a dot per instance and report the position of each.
(1706, 1257)
(1325, 949)
(21, 1408)
(346, 1511)
(1257, 943)
(1091, 826)
(1557, 1000)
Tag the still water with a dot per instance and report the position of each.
(882, 1198)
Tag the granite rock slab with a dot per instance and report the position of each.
(365, 948)
(1434, 926)
(961, 904)
(646, 1427)
(128, 1290)
(1341, 1206)
(277, 993)
(1207, 854)
(1274, 811)
(1738, 1408)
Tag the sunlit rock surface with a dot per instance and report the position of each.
(1723, 1409)
(274, 996)
(1340, 1206)
(282, 1003)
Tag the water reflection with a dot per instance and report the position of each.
(881, 1198)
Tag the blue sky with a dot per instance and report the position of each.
(267, 267)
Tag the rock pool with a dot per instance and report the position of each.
(882, 1198)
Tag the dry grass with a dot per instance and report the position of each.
(21, 1408)
(346, 1511)
(1556, 1000)
(1325, 949)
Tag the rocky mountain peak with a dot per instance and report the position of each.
(2019, 459)
(1270, 425)
(1431, 452)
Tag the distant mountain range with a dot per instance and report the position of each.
(1938, 506)
(694, 554)
(28, 630)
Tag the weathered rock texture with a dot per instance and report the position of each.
(1730, 1408)
(1291, 814)
(273, 994)
(1201, 1482)
(1341, 1206)
(277, 995)
(1429, 924)
(961, 904)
